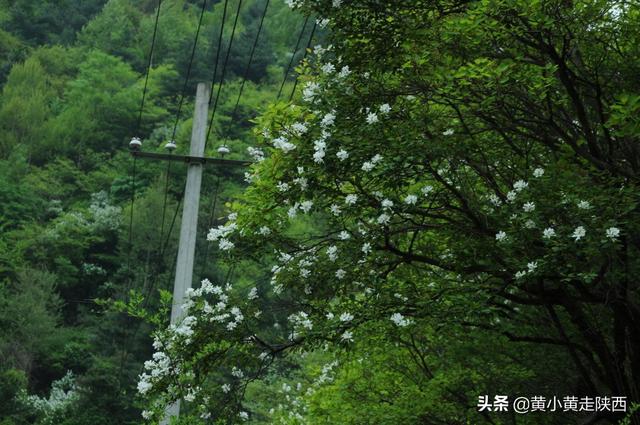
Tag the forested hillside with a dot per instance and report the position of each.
(72, 75)
(440, 223)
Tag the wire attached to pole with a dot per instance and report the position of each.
(306, 52)
(186, 79)
(224, 69)
(293, 55)
(253, 49)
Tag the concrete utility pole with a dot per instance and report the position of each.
(189, 224)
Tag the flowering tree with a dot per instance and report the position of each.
(464, 162)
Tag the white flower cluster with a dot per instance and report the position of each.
(222, 233)
(300, 320)
(256, 154)
(229, 317)
(63, 393)
(399, 320)
(283, 144)
(370, 165)
(310, 91)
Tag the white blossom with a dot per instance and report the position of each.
(448, 132)
(351, 199)
(328, 119)
(500, 236)
(335, 210)
(344, 235)
(347, 336)
(529, 206)
(283, 144)
(144, 386)
(411, 199)
(385, 108)
(342, 154)
(328, 68)
(253, 294)
(399, 320)
(264, 231)
(225, 245)
(387, 203)
(340, 274)
(282, 187)
(426, 190)
(383, 219)
(520, 185)
(306, 206)
(318, 156)
(293, 211)
(221, 232)
(237, 373)
(548, 233)
(372, 118)
(366, 248)
(613, 233)
(584, 205)
(344, 72)
(332, 253)
(579, 233)
(346, 317)
(310, 91)
(299, 128)
(256, 154)
(538, 172)
(302, 182)
(532, 266)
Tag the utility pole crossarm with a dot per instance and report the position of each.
(191, 159)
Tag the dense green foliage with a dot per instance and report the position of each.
(448, 209)
(71, 76)
(452, 205)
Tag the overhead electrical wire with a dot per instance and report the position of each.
(138, 125)
(188, 75)
(218, 50)
(253, 49)
(293, 55)
(214, 199)
(224, 69)
(149, 62)
(306, 52)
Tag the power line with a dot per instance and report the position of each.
(164, 204)
(215, 69)
(293, 55)
(306, 52)
(224, 69)
(146, 80)
(253, 48)
(144, 96)
(186, 79)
